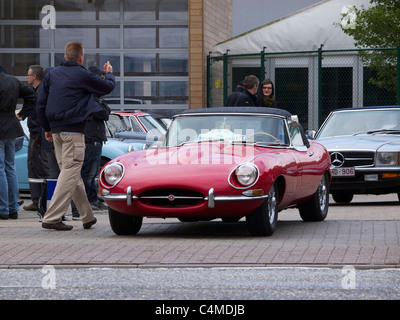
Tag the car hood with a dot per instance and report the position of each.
(203, 153)
(384, 142)
(197, 166)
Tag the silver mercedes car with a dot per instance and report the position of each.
(364, 146)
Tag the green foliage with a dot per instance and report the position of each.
(377, 27)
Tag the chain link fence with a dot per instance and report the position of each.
(311, 83)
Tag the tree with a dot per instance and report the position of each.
(377, 26)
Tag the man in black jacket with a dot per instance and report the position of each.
(64, 103)
(38, 167)
(10, 128)
(247, 97)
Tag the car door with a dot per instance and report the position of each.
(308, 158)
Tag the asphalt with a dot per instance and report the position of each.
(365, 233)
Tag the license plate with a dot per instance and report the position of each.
(343, 172)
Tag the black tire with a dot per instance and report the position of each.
(188, 219)
(263, 221)
(342, 197)
(122, 224)
(316, 209)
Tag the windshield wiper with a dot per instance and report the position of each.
(199, 141)
(270, 144)
(260, 143)
(384, 131)
(242, 142)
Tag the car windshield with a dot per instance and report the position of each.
(262, 130)
(356, 122)
(115, 123)
(151, 124)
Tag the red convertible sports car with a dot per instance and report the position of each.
(223, 163)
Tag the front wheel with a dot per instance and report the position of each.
(122, 224)
(264, 220)
(316, 209)
(342, 197)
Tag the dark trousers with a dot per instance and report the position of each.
(91, 168)
(38, 168)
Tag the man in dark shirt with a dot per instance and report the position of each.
(247, 97)
(10, 128)
(64, 103)
(38, 167)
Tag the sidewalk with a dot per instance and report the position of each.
(360, 234)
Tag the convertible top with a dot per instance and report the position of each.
(261, 110)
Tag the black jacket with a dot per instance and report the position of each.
(246, 99)
(10, 91)
(95, 127)
(67, 97)
(233, 97)
(35, 131)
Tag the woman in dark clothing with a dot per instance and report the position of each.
(266, 95)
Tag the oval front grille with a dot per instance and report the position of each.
(171, 197)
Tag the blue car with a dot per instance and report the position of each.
(111, 149)
(21, 164)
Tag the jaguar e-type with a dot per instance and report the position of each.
(226, 163)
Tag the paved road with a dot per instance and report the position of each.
(367, 232)
(212, 284)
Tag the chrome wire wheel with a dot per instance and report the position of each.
(323, 193)
(263, 221)
(272, 201)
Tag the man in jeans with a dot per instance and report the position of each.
(10, 128)
(66, 100)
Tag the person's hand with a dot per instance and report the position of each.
(19, 117)
(48, 136)
(108, 67)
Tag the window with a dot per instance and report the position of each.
(146, 41)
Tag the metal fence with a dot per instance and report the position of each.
(309, 83)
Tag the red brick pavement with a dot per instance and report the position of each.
(169, 242)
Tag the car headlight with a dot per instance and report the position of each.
(388, 159)
(113, 173)
(246, 174)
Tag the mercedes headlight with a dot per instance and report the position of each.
(388, 159)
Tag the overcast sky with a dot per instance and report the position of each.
(250, 14)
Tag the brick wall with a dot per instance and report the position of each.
(210, 22)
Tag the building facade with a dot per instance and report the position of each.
(158, 48)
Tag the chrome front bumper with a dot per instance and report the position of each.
(211, 198)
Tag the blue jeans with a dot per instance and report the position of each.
(90, 169)
(9, 192)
